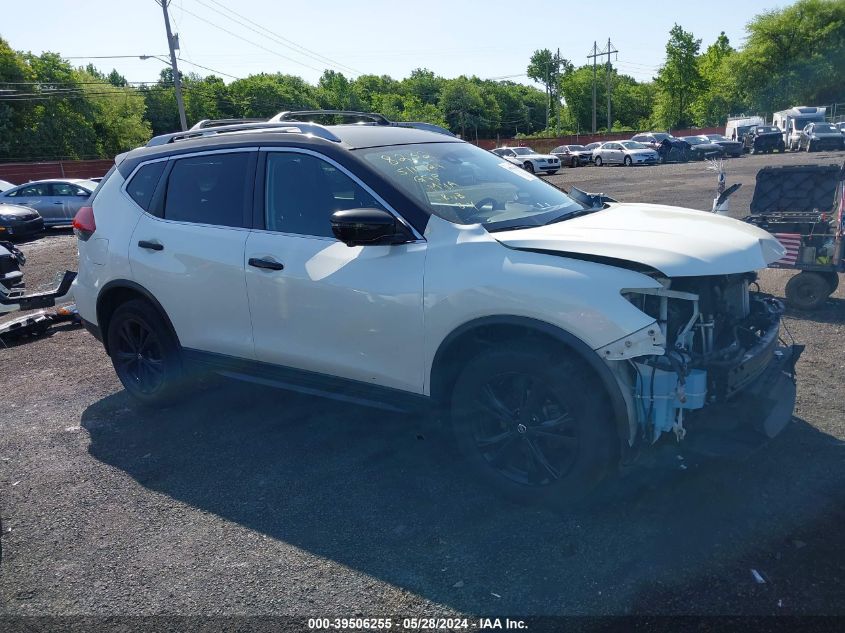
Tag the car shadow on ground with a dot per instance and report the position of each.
(380, 494)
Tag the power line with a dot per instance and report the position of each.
(279, 39)
(225, 30)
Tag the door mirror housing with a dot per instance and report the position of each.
(369, 227)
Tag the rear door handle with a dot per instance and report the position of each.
(152, 246)
(266, 264)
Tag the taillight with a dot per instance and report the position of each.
(83, 223)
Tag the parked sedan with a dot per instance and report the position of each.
(624, 153)
(18, 221)
(591, 147)
(702, 147)
(764, 139)
(531, 161)
(820, 136)
(732, 148)
(57, 201)
(573, 155)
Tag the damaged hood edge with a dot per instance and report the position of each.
(677, 242)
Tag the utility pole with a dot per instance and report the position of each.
(594, 56)
(173, 44)
(609, 50)
(557, 102)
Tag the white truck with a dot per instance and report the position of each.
(793, 120)
(737, 126)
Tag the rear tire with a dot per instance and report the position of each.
(145, 354)
(807, 290)
(534, 427)
(598, 161)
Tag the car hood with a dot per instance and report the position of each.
(675, 241)
(16, 209)
(534, 156)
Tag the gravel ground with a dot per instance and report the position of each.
(250, 501)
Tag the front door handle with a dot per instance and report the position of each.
(152, 246)
(266, 264)
(58, 203)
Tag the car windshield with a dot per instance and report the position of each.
(522, 151)
(467, 185)
(717, 137)
(824, 127)
(767, 129)
(693, 140)
(661, 136)
(633, 145)
(576, 148)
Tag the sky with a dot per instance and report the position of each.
(492, 39)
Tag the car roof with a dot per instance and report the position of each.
(346, 137)
(45, 181)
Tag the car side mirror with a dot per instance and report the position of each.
(369, 227)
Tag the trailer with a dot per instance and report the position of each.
(793, 120)
(802, 206)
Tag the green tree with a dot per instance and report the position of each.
(463, 105)
(795, 56)
(720, 93)
(679, 80)
(546, 68)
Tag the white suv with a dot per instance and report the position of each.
(394, 267)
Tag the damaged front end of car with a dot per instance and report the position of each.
(716, 363)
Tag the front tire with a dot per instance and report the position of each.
(573, 163)
(144, 352)
(807, 290)
(628, 162)
(533, 426)
(598, 161)
(529, 167)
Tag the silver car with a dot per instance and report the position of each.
(57, 201)
(624, 153)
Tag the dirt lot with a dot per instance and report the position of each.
(251, 501)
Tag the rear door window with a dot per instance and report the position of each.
(143, 184)
(210, 189)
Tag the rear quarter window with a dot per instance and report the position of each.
(143, 184)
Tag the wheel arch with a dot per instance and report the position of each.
(119, 291)
(477, 334)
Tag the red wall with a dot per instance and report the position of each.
(19, 173)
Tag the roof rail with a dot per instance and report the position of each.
(207, 123)
(375, 117)
(299, 127)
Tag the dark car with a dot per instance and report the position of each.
(732, 148)
(702, 147)
(820, 136)
(652, 139)
(764, 139)
(573, 155)
(19, 221)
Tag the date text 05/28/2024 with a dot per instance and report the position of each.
(415, 624)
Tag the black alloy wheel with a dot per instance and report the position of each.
(535, 427)
(138, 356)
(529, 167)
(523, 431)
(145, 353)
